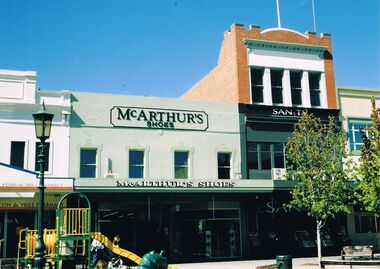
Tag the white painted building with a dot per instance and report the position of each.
(19, 99)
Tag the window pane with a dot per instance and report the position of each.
(88, 163)
(181, 158)
(279, 161)
(265, 160)
(136, 157)
(257, 85)
(224, 173)
(278, 147)
(87, 171)
(38, 149)
(17, 153)
(276, 83)
(88, 156)
(253, 162)
(265, 146)
(136, 172)
(224, 165)
(315, 98)
(358, 137)
(297, 97)
(180, 172)
(314, 80)
(224, 159)
(295, 79)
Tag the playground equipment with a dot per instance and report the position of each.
(70, 242)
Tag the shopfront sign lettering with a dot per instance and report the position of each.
(174, 184)
(272, 209)
(158, 118)
(288, 112)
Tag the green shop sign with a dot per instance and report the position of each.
(152, 118)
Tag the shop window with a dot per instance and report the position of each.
(276, 84)
(88, 163)
(224, 165)
(315, 91)
(136, 164)
(366, 222)
(17, 153)
(296, 89)
(181, 164)
(257, 85)
(38, 150)
(355, 136)
(263, 156)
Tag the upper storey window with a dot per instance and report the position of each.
(296, 88)
(276, 84)
(257, 85)
(315, 91)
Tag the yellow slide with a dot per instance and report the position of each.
(119, 251)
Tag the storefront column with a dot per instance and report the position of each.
(5, 233)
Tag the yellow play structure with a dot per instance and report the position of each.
(70, 242)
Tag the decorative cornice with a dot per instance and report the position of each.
(285, 46)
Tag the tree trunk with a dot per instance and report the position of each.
(320, 224)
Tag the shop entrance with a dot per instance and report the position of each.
(194, 237)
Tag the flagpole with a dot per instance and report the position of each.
(278, 15)
(315, 26)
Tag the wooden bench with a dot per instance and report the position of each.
(357, 251)
(270, 266)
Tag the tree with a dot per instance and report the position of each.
(315, 155)
(368, 183)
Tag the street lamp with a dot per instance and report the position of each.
(42, 124)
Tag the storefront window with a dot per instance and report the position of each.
(136, 164)
(366, 222)
(181, 164)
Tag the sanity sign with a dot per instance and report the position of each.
(137, 117)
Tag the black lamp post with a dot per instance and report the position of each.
(42, 124)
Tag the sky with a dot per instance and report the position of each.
(163, 47)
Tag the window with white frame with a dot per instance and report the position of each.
(136, 164)
(355, 137)
(38, 150)
(17, 153)
(88, 158)
(315, 91)
(181, 164)
(296, 87)
(224, 165)
(276, 86)
(257, 86)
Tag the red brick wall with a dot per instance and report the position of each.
(229, 81)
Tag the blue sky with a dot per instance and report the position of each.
(163, 47)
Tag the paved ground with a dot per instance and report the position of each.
(298, 263)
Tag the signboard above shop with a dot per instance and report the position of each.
(153, 118)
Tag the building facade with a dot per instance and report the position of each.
(274, 75)
(356, 109)
(18, 157)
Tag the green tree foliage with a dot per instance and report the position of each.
(368, 183)
(315, 156)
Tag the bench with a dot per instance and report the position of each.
(357, 251)
(270, 266)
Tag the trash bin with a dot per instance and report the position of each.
(153, 260)
(286, 261)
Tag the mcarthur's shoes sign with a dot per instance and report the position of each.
(153, 118)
